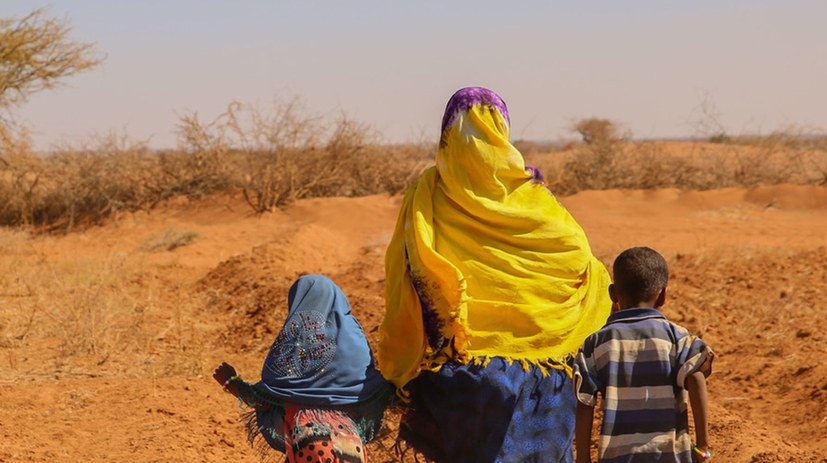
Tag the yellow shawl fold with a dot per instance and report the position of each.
(484, 262)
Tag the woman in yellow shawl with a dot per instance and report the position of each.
(491, 288)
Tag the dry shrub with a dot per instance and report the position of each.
(608, 159)
(274, 158)
(72, 186)
(802, 155)
(391, 168)
(278, 156)
(89, 185)
(203, 164)
(594, 163)
(20, 176)
(684, 165)
(287, 155)
(791, 154)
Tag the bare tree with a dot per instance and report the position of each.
(708, 123)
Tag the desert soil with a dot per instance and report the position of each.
(107, 346)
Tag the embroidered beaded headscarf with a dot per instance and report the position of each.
(484, 262)
(321, 356)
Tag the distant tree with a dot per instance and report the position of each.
(597, 131)
(36, 53)
(596, 160)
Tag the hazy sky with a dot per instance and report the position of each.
(646, 64)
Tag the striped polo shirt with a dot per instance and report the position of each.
(639, 363)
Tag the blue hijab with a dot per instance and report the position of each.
(321, 356)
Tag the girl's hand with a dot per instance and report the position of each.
(224, 372)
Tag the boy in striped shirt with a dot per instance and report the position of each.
(644, 367)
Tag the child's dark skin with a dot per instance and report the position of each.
(222, 374)
(695, 385)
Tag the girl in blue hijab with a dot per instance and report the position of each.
(320, 399)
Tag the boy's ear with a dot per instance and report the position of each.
(661, 298)
(613, 293)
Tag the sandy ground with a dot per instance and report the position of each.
(106, 347)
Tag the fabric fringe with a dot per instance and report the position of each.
(367, 416)
(543, 365)
(257, 441)
(435, 364)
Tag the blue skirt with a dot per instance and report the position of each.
(497, 413)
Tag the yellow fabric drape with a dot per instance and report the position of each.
(502, 268)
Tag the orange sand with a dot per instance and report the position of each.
(748, 273)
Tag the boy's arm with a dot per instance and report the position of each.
(583, 432)
(696, 386)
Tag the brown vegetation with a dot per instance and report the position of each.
(782, 157)
(274, 158)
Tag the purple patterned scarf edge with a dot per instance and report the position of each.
(467, 97)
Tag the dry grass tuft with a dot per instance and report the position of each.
(169, 240)
(91, 315)
(82, 307)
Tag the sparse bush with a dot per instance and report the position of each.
(280, 156)
(273, 159)
(288, 155)
(684, 165)
(594, 163)
(203, 164)
(390, 168)
(72, 186)
(20, 177)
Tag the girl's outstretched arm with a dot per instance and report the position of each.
(232, 383)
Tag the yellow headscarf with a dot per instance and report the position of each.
(484, 262)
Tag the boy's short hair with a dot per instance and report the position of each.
(640, 273)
